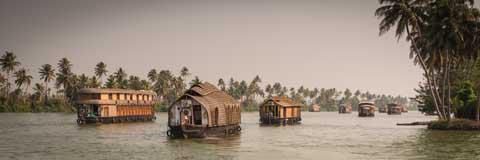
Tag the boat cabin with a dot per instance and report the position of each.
(114, 105)
(394, 109)
(204, 110)
(344, 108)
(280, 110)
(315, 108)
(366, 109)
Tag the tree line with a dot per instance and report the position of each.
(444, 38)
(166, 84)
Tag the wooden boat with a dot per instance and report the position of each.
(315, 108)
(114, 105)
(394, 109)
(382, 109)
(366, 109)
(203, 111)
(280, 110)
(343, 108)
(404, 109)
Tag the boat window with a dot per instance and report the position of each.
(110, 96)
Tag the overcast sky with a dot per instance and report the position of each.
(317, 43)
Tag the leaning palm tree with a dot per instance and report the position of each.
(8, 63)
(100, 71)
(406, 16)
(47, 73)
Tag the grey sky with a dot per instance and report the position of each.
(330, 43)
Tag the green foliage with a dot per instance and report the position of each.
(455, 124)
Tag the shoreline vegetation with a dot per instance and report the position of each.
(444, 37)
(58, 90)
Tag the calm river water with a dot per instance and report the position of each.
(323, 135)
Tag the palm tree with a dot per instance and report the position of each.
(23, 78)
(93, 82)
(38, 90)
(120, 77)
(64, 75)
(47, 73)
(221, 84)
(184, 73)
(152, 75)
(195, 81)
(100, 71)
(404, 14)
(8, 63)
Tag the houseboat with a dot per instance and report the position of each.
(404, 109)
(114, 105)
(280, 110)
(204, 110)
(382, 109)
(314, 108)
(366, 109)
(394, 109)
(344, 108)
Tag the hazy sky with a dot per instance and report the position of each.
(317, 43)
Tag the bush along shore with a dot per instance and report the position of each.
(454, 124)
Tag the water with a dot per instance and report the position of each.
(323, 135)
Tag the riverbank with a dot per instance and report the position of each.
(454, 124)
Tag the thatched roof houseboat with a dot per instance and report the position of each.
(394, 109)
(314, 108)
(366, 109)
(280, 110)
(202, 111)
(344, 108)
(114, 105)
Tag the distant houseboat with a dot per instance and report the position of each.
(114, 105)
(204, 111)
(280, 110)
(343, 108)
(315, 108)
(394, 109)
(366, 109)
(404, 109)
(382, 109)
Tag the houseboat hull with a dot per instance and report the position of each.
(202, 132)
(293, 120)
(90, 120)
(366, 114)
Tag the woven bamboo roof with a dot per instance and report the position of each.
(210, 96)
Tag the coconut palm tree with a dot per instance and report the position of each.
(93, 82)
(195, 81)
(64, 75)
(406, 16)
(8, 63)
(221, 84)
(184, 73)
(23, 78)
(101, 71)
(38, 90)
(120, 77)
(47, 73)
(152, 75)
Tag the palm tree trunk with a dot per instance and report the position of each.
(478, 106)
(427, 75)
(46, 93)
